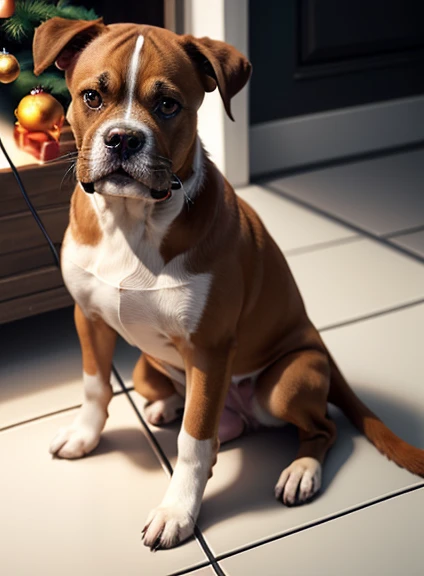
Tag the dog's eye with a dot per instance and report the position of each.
(168, 107)
(93, 99)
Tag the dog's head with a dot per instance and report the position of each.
(135, 94)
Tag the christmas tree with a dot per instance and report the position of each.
(16, 34)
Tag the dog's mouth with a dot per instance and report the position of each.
(161, 195)
(120, 178)
(122, 172)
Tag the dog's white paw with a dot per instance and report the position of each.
(166, 527)
(299, 482)
(164, 411)
(74, 441)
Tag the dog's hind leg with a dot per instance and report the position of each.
(97, 341)
(164, 404)
(295, 389)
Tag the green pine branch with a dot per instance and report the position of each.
(54, 83)
(77, 13)
(31, 13)
(25, 59)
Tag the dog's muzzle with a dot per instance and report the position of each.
(124, 153)
(158, 195)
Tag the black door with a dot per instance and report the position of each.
(314, 55)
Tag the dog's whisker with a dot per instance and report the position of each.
(163, 158)
(71, 168)
(189, 201)
(70, 156)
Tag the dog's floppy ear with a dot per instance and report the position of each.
(60, 40)
(219, 64)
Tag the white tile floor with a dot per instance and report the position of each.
(84, 517)
(381, 196)
(414, 241)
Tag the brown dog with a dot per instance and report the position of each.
(160, 250)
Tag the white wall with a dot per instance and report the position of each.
(226, 141)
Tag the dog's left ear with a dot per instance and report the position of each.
(218, 64)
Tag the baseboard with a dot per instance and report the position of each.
(305, 140)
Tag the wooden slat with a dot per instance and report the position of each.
(34, 304)
(30, 282)
(43, 186)
(20, 231)
(26, 260)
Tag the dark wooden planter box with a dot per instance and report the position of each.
(30, 282)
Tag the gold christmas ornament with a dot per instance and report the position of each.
(7, 8)
(9, 67)
(40, 111)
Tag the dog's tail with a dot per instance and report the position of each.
(400, 452)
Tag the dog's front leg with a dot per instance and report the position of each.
(97, 341)
(208, 378)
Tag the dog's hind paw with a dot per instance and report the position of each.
(165, 410)
(167, 527)
(299, 482)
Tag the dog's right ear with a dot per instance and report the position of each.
(60, 40)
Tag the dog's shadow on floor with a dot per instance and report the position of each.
(249, 467)
(262, 457)
(130, 442)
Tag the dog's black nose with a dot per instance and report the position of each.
(124, 141)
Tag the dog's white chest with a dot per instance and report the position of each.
(146, 302)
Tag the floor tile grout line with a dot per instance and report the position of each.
(156, 448)
(325, 520)
(322, 246)
(38, 418)
(219, 572)
(160, 454)
(336, 162)
(405, 232)
(163, 459)
(48, 414)
(201, 540)
(190, 570)
(357, 229)
(372, 315)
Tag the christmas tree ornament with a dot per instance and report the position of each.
(40, 111)
(40, 119)
(7, 8)
(9, 67)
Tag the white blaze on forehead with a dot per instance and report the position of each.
(133, 73)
